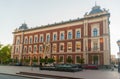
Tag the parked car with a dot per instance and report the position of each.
(91, 66)
(116, 66)
(18, 64)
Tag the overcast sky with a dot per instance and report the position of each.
(41, 12)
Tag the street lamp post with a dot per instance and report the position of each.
(118, 42)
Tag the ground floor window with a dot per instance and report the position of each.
(77, 59)
(95, 59)
(61, 59)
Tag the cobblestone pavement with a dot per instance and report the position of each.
(86, 74)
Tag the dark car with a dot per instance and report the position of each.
(91, 66)
(18, 64)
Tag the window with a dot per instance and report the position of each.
(61, 59)
(47, 48)
(55, 37)
(35, 49)
(62, 47)
(69, 35)
(30, 40)
(41, 48)
(18, 42)
(69, 57)
(77, 59)
(95, 32)
(16, 50)
(41, 38)
(54, 47)
(69, 46)
(95, 46)
(78, 34)
(48, 38)
(35, 39)
(25, 50)
(30, 49)
(78, 46)
(26, 41)
(62, 36)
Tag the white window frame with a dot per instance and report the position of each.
(35, 36)
(98, 44)
(39, 48)
(30, 37)
(76, 33)
(25, 51)
(49, 37)
(34, 49)
(53, 36)
(17, 40)
(63, 35)
(29, 51)
(68, 35)
(60, 47)
(63, 58)
(93, 26)
(76, 58)
(54, 44)
(76, 46)
(26, 38)
(41, 35)
(68, 48)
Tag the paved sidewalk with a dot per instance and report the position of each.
(86, 74)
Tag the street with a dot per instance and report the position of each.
(2, 76)
(85, 74)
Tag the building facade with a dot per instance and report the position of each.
(85, 38)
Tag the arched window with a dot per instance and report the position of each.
(95, 32)
(55, 37)
(41, 48)
(35, 49)
(18, 42)
(36, 39)
(62, 36)
(25, 50)
(48, 38)
(16, 50)
(30, 41)
(78, 34)
(26, 41)
(41, 39)
(69, 35)
(30, 49)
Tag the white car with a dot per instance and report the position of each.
(116, 65)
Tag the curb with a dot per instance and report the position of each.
(47, 76)
(21, 75)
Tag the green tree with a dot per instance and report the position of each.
(82, 60)
(42, 60)
(69, 60)
(5, 53)
(35, 60)
(50, 60)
